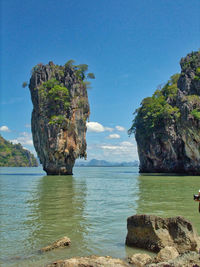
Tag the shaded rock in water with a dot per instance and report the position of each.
(92, 261)
(60, 111)
(154, 233)
(140, 260)
(60, 243)
(167, 125)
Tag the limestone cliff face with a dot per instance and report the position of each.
(60, 111)
(167, 125)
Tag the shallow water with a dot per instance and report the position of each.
(90, 207)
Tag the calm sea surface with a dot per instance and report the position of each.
(90, 207)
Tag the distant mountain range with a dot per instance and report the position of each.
(104, 163)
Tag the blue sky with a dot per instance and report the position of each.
(131, 46)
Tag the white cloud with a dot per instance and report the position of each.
(108, 129)
(4, 128)
(114, 136)
(122, 151)
(97, 127)
(123, 147)
(24, 139)
(120, 128)
(94, 127)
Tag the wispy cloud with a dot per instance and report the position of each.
(4, 128)
(120, 128)
(122, 151)
(96, 127)
(113, 136)
(123, 147)
(24, 139)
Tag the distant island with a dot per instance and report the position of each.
(14, 155)
(104, 163)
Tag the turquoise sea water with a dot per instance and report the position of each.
(91, 208)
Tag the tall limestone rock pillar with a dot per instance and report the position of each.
(167, 125)
(60, 111)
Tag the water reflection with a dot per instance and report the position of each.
(167, 196)
(91, 208)
(56, 210)
(15, 191)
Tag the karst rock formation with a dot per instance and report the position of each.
(60, 110)
(167, 125)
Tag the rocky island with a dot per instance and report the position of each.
(14, 155)
(167, 125)
(60, 111)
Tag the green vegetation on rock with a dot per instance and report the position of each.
(194, 99)
(155, 111)
(57, 119)
(55, 92)
(193, 60)
(15, 155)
(54, 95)
(197, 76)
(57, 97)
(196, 113)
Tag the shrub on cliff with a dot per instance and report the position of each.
(156, 110)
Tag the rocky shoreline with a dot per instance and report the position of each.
(174, 239)
(166, 258)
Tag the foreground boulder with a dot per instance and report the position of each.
(188, 259)
(92, 261)
(140, 260)
(60, 243)
(167, 125)
(60, 111)
(154, 233)
(167, 253)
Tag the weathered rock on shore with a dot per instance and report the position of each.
(140, 260)
(60, 243)
(190, 259)
(167, 125)
(92, 261)
(167, 253)
(174, 239)
(60, 111)
(154, 233)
